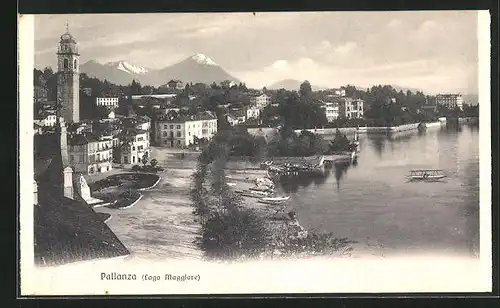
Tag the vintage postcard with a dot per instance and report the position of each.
(255, 153)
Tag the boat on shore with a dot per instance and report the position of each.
(253, 193)
(426, 175)
(261, 189)
(276, 199)
(270, 202)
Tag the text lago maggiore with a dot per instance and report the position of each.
(149, 277)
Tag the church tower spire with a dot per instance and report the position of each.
(68, 79)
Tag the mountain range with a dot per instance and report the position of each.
(197, 68)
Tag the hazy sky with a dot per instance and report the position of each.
(433, 51)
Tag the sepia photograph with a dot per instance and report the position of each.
(255, 153)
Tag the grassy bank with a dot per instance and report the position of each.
(121, 190)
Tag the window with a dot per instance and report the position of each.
(165, 134)
(66, 63)
(140, 138)
(82, 159)
(133, 148)
(171, 126)
(140, 148)
(71, 158)
(178, 142)
(133, 159)
(74, 66)
(178, 126)
(165, 126)
(178, 134)
(138, 159)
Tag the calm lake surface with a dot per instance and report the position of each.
(373, 204)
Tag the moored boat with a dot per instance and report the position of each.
(426, 175)
(270, 202)
(276, 199)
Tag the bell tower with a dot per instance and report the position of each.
(68, 79)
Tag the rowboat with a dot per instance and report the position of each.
(253, 194)
(270, 202)
(276, 199)
(426, 175)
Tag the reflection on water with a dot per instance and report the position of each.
(372, 200)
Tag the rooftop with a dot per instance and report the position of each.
(206, 115)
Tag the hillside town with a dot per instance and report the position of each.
(98, 127)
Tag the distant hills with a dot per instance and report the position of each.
(197, 68)
(292, 84)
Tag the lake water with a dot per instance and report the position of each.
(373, 204)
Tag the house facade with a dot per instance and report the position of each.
(107, 101)
(89, 154)
(351, 108)
(46, 119)
(183, 131)
(252, 112)
(331, 110)
(260, 101)
(175, 84)
(135, 143)
(235, 119)
(450, 100)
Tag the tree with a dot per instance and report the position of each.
(305, 90)
(135, 88)
(144, 158)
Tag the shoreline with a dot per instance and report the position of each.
(270, 131)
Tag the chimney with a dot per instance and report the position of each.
(68, 182)
(35, 193)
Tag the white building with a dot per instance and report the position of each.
(135, 143)
(450, 100)
(46, 120)
(234, 119)
(260, 101)
(90, 154)
(335, 93)
(253, 112)
(331, 111)
(351, 108)
(183, 131)
(107, 101)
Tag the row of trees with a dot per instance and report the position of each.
(288, 144)
(228, 231)
(231, 231)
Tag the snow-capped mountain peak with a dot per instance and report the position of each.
(128, 67)
(203, 59)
